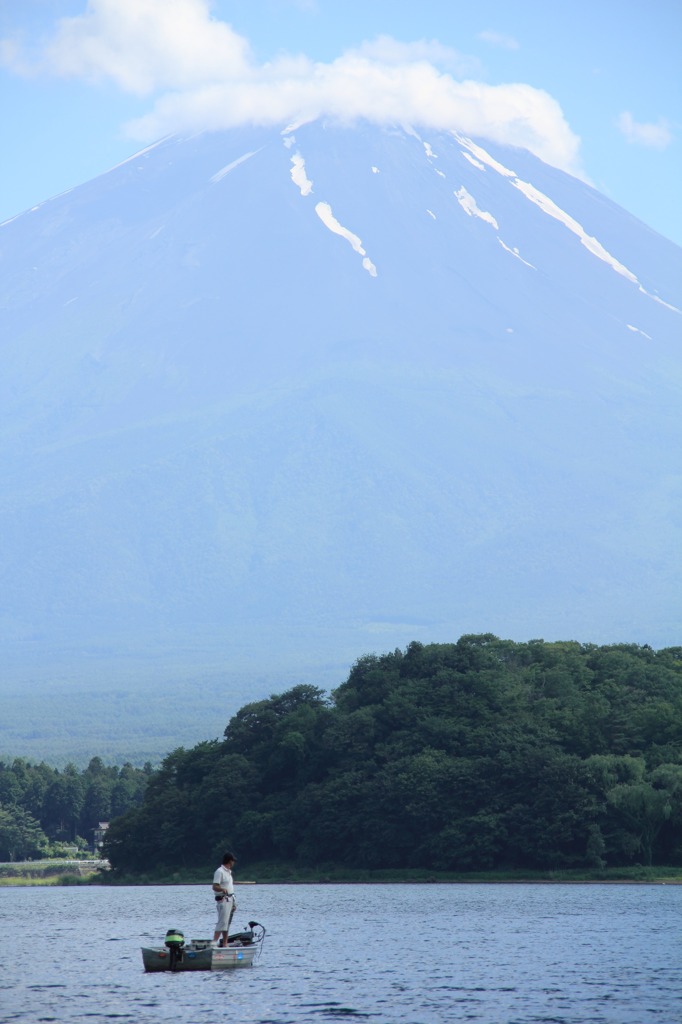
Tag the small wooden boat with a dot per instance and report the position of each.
(202, 954)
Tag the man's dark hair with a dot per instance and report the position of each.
(227, 857)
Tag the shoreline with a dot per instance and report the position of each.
(93, 872)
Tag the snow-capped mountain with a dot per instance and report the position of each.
(275, 399)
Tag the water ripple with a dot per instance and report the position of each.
(335, 1010)
(518, 954)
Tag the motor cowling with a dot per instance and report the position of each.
(175, 942)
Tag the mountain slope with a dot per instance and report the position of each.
(273, 399)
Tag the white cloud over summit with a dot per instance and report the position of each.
(201, 74)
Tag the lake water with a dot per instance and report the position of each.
(419, 954)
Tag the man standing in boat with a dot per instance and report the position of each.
(223, 887)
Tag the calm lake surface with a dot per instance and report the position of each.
(420, 954)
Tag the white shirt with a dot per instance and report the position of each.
(223, 878)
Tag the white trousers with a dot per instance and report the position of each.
(226, 909)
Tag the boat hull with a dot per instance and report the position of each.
(199, 957)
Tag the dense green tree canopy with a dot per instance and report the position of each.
(40, 805)
(484, 753)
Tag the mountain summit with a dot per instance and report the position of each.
(271, 399)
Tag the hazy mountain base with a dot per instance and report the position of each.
(134, 715)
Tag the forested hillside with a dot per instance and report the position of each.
(479, 754)
(43, 808)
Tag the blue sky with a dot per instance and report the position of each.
(593, 87)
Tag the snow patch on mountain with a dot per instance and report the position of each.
(135, 156)
(549, 207)
(515, 252)
(658, 299)
(469, 205)
(295, 125)
(483, 157)
(637, 331)
(324, 212)
(298, 175)
(230, 167)
(472, 160)
(410, 130)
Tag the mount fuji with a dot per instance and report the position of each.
(272, 399)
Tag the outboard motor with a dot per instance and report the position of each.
(175, 942)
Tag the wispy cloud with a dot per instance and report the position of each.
(499, 39)
(386, 50)
(655, 136)
(199, 73)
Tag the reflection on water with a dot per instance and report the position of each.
(419, 954)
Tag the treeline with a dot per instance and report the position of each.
(481, 754)
(43, 809)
